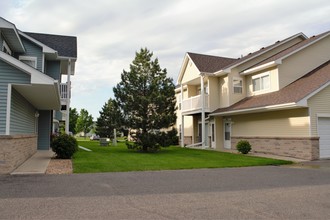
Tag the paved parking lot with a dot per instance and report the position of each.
(239, 193)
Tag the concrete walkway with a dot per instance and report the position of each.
(37, 164)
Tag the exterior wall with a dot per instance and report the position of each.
(319, 104)
(285, 123)
(34, 51)
(191, 73)
(8, 75)
(44, 129)
(213, 93)
(235, 97)
(219, 138)
(304, 61)
(297, 147)
(223, 92)
(22, 118)
(53, 69)
(14, 150)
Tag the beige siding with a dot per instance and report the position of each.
(319, 104)
(224, 92)
(234, 97)
(286, 123)
(213, 93)
(304, 61)
(219, 133)
(191, 72)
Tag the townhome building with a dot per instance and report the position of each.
(33, 99)
(277, 98)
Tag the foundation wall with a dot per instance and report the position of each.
(14, 150)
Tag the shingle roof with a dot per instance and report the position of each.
(65, 45)
(292, 93)
(263, 49)
(208, 63)
(290, 49)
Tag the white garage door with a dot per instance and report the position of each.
(324, 133)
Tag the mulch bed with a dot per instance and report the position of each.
(59, 166)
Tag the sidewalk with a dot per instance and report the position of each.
(37, 164)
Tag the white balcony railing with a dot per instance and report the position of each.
(64, 91)
(195, 103)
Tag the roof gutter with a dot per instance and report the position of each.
(258, 109)
(261, 67)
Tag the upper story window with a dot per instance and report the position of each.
(5, 48)
(261, 82)
(206, 89)
(238, 85)
(179, 101)
(31, 61)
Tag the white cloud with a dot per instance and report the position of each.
(110, 32)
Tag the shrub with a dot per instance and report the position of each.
(243, 146)
(64, 146)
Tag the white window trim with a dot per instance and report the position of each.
(5, 45)
(29, 58)
(260, 76)
(240, 79)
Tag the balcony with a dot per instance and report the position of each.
(64, 91)
(194, 104)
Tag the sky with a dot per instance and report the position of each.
(110, 32)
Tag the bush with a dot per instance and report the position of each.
(243, 146)
(64, 146)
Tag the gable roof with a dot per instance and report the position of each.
(66, 46)
(295, 48)
(259, 52)
(208, 63)
(291, 94)
(12, 38)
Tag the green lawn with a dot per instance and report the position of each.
(119, 158)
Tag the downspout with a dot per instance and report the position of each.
(68, 83)
(182, 119)
(203, 111)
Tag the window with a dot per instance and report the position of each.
(206, 89)
(179, 101)
(5, 48)
(31, 61)
(261, 82)
(238, 85)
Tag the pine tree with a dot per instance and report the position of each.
(146, 97)
(109, 119)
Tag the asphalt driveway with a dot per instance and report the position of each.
(233, 193)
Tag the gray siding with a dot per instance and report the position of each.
(33, 50)
(22, 118)
(44, 129)
(8, 74)
(53, 69)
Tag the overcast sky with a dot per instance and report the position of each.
(109, 32)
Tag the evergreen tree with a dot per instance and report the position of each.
(146, 97)
(73, 120)
(84, 122)
(109, 119)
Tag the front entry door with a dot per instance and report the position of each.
(227, 131)
(213, 135)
